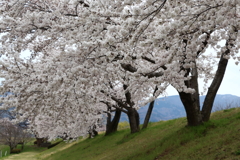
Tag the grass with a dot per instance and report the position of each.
(170, 140)
(4, 149)
(28, 153)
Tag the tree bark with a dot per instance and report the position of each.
(148, 115)
(192, 108)
(22, 145)
(11, 148)
(191, 101)
(39, 141)
(133, 117)
(112, 125)
(92, 131)
(212, 90)
(132, 113)
(149, 112)
(127, 107)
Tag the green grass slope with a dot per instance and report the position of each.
(4, 150)
(171, 140)
(28, 153)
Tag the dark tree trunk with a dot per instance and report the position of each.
(133, 117)
(191, 102)
(132, 113)
(192, 108)
(212, 90)
(149, 112)
(12, 146)
(22, 145)
(40, 141)
(11, 149)
(92, 131)
(148, 115)
(113, 124)
(95, 132)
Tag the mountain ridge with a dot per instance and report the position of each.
(171, 107)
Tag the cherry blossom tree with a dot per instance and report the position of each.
(12, 134)
(30, 79)
(61, 62)
(83, 53)
(50, 115)
(173, 37)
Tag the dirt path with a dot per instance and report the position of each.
(22, 156)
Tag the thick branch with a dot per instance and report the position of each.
(120, 103)
(114, 106)
(153, 74)
(128, 95)
(128, 67)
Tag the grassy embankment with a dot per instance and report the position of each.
(29, 152)
(170, 140)
(4, 150)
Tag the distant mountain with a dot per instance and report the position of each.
(171, 107)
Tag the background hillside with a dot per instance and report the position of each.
(171, 107)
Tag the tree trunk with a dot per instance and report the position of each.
(95, 132)
(133, 117)
(191, 101)
(148, 115)
(112, 125)
(92, 131)
(149, 112)
(212, 90)
(39, 141)
(192, 107)
(11, 149)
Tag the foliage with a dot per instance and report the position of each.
(238, 152)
